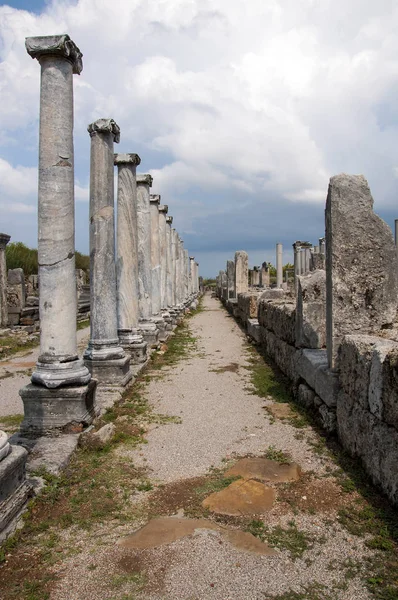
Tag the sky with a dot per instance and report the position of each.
(241, 111)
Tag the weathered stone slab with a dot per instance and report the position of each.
(372, 440)
(280, 318)
(312, 367)
(247, 497)
(14, 490)
(283, 354)
(264, 469)
(311, 310)
(241, 273)
(361, 264)
(253, 330)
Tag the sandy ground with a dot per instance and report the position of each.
(15, 373)
(219, 418)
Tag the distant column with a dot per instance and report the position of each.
(170, 264)
(230, 278)
(163, 209)
(146, 324)
(279, 265)
(104, 356)
(4, 239)
(241, 272)
(127, 258)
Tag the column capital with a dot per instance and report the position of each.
(191, 258)
(144, 178)
(169, 219)
(163, 208)
(55, 45)
(105, 126)
(154, 198)
(4, 239)
(126, 159)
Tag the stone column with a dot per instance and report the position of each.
(147, 326)
(176, 251)
(155, 267)
(241, 273)
(163, 209)
(127, 259)
(322, 245)
(170, 290)
(62, 394)
(197, 277)
(264, 275)
(279, 265)
(104, 357)
(230, 278)
(4, 239)
(297, 264)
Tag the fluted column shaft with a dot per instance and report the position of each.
(155, 253)
(127, 246)
(4, 239)
(144, 182)
(164, 255)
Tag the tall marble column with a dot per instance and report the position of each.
(104, 356)
(147, 326)
(163, 209)
(170, 288)
(192, 274)
(279, 265)
(127, 259)
(197, 277)
(175, 247)
(4, 239)
(155, 267)
(186, 275)
(59, 393)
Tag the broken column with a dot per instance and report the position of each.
(241, 272)
(361, 264)
(14, 489)
(127, 259)
(59, 393)
(230, 278)
(104, 356)
(146, 324)
(4, 239)
(264, 275)
(279, 265)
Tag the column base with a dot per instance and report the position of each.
(114, 372)
(149, 332)
(161, 326)
(103, 350)
(60, 374)
(14, 489)
(132, 342)
(48, 410)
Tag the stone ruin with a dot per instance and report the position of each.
(334, 333)
(137, 295)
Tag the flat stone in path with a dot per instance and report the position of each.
(281, 410)
(242, 497)
(166, 530)
(264, 470)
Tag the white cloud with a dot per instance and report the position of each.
(261, 99)
(17, 181)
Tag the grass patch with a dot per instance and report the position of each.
(290, 538)
(82, 324)
(180, 346)
(279, 456)
(265, 379)
(11, 421)
(10, 345)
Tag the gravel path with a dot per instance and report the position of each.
(219, 418)
(15, 373)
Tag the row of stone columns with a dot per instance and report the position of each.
(140, 282)
(307, 258)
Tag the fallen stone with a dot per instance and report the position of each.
(248, 497)
(165, 530)
(264, 470)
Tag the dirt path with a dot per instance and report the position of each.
(205, 415)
